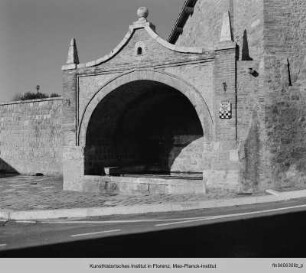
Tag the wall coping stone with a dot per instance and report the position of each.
(132, 28)
(225, 45)
(30, 101)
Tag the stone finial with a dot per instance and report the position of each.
(143, 13)
(73, 57)
(142, 22)
(226, 31)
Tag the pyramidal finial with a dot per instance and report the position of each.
(226, 31)
(73, 57)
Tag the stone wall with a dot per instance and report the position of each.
(285, 34)
(31, 136)
(251, 126)
(285, 37)
(124, 102)
(203, 28)
(247, 26)
(129, 120)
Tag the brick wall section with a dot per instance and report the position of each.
(284, 32)
(284, 41)
(251, 127)
(247, 90)
(285, 37)
(222, 160)
(199, 75)
(203, 28)
(271, 37)
(247, 25)
(188, 67)
(31, 136)
(154, 54)
(199, 72)
(286, 129)
(69, 108)
(225, 73)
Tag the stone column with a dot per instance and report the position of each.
(73, 168)
(73, 155)
(222, 154)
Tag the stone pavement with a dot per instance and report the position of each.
(45, 193)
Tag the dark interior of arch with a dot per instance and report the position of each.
(144, 127)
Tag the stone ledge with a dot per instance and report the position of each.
(30, 101)
(225, 46)
(138, 185)
(69, 67)
(191, 50)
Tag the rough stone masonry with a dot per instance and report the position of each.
(220, 104)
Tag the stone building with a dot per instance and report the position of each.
(220, 104)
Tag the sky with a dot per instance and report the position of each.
(35, 36)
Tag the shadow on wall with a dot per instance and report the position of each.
(169, 156)
(245, 54)
(6, 169)
(250, 156)
(144, 127)
(183, 154)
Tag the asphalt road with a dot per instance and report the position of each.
(264, 230)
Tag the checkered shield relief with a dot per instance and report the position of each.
(225, 111)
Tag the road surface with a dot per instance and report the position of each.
(264, 230)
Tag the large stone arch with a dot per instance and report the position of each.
(190, 92)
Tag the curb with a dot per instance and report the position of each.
(123, 210)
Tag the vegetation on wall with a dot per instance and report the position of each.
(34, 95)
(30, 96)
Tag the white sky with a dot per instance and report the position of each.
(35, 35)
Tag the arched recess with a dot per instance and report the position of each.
(135, 102)
(182, 86)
